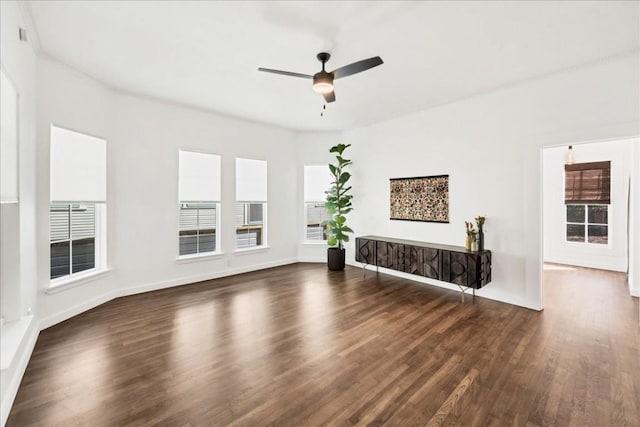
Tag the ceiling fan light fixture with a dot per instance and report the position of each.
(323, 82)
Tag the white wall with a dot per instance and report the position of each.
(490, 146)
(143, 138)
(612, 256)
(313, 148)
(20, 333)
(634, 223)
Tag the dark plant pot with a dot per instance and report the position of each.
(481, 240)
(335, 259)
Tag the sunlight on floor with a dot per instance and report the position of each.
(559, 267)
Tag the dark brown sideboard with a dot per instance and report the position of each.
(452, 264)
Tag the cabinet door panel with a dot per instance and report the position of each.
(390, 255)
(366, 251)
(414, 260)
(422, 261)
(431, 263)
(454, 268)
(485, 269)
(473, 270)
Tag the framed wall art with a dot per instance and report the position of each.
(423, 198)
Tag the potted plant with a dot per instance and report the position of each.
(338, 204)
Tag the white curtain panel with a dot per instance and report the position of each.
(78, 167)
(251, 180)
(317, 179)
(199, 179)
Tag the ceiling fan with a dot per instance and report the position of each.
(323, 80)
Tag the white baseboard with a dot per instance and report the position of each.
(602, 263)
(108, 296)
(21, 361)
(307, 259)
(56, 318)
(484, 292)
(202, 277)
(635, 292)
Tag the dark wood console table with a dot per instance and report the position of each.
(452, 264)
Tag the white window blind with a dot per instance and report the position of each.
(251, 180)
(317, 180)
(8, 141)
(199, 177)
(78, 167)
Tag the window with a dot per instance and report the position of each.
(199, 203)
(588, 223)
(251, 203)
(73, 238)
(249, 224)
(587, 199)
(77, 210)
(198, 225)
(317, 180)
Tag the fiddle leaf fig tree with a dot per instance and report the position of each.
(338, 202)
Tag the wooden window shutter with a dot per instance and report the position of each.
(587, 183)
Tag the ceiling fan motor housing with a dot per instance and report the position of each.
(323, 82)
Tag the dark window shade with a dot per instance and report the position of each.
(587, 183)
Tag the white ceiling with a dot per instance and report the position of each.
(206, 54)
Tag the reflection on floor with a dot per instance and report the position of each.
(298, 345)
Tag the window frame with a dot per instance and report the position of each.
(198, 192)
(218, 239)
(308, 199)
(247, 223)
(100, 242)
(99, 201)
(586, 225)
(251, 187)
(305, 225)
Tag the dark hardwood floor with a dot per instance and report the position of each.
(299, 345)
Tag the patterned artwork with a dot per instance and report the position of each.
(420, 199)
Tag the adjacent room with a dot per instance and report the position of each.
(320, 213)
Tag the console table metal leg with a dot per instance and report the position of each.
(464, 289)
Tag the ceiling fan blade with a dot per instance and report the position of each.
(286, 73)
(356, 67)
(329, 97)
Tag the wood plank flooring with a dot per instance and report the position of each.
(301, 346)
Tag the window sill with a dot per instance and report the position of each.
(11, 337)
(252, 250)
(314, 243)
(185, 259)
(71, 282)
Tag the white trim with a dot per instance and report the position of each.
(252, 249)
(314, 260)
(483, 292)
(108, 296)
(12, 335)
(21, 362)
(68, 282)
(203, 256)
(314, 243)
